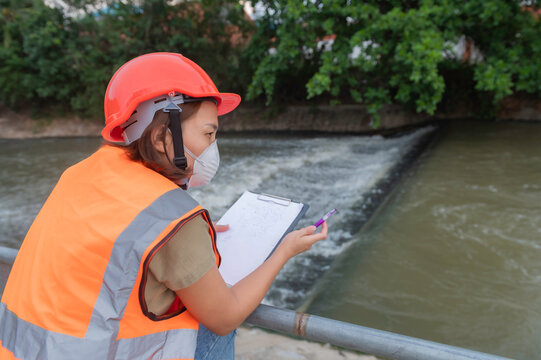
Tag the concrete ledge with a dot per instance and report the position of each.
(351, 119)
(19, 127)
(334, 119)
(338, 118)
(519, 108)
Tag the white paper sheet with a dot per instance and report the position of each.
(257, 223)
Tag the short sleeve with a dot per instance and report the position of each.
(186, 257)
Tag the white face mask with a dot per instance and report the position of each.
(204, 166)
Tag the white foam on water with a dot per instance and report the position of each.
(324, 172)
(340, 176)
(251, 171)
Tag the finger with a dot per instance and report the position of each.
(318, 236)
(221, 228)
(324, 228)
(314, 238)
(309, 230)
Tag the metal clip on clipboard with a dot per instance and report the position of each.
(274, 199)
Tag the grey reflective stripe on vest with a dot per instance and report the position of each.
(174, 344)
(28, 341)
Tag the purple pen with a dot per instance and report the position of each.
(324, 218)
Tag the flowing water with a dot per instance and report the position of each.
(452, 257)
(455, 255)
(323, 171)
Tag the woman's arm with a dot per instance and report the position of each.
(222, 309)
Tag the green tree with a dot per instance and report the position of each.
(395, 51)
(64, 58)
(33, 56)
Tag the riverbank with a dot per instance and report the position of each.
(257, 344)
(15, 126)
(350, 119)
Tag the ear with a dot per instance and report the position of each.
(157, 136)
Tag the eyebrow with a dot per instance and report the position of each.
(214, 126)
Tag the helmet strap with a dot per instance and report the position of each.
(178, 146)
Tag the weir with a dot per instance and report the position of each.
(353, 174)
(349, 172)
(338, 333)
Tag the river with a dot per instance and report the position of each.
(455, 255)
(452, 256)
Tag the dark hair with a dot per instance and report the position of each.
(142, 149)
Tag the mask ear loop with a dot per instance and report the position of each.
(176, 130)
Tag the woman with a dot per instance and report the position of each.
(121, 263)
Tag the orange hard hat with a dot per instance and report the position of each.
(155, 74)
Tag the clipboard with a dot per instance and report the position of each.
(258, 222)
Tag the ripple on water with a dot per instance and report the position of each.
(455, 255)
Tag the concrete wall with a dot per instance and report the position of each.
(339, 118)
(519, 108)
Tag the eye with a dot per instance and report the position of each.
(210, 134)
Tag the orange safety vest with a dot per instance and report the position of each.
(76, 289)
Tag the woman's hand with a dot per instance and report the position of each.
(220, 308)
(301, 240)
(220, 228)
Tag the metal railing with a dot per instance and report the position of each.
(7, 255)
(355, 337)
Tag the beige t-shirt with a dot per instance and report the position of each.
(183, 260)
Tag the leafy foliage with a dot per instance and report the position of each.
(396, 51)
(33, 56)
(372, 52)
(65, 58)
